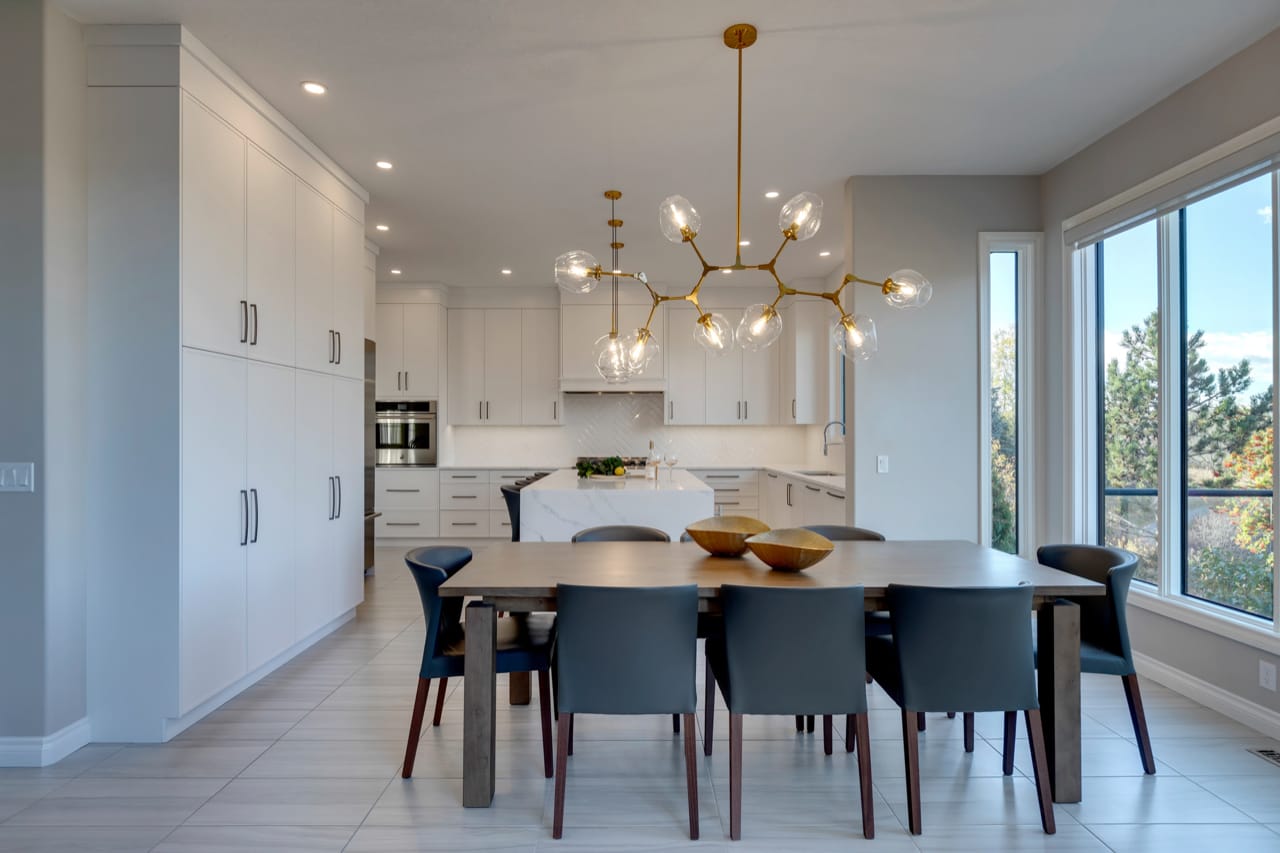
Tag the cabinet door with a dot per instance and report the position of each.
(315, 499)
(422, 339)
(214, 308)
(270, 576)
(347, 560)
(390, 360)
(759, 386)
(786, 347)
(502, 374)
(315, 345)
(466, 366)
(540, 366)
(833, 504)
(270, 259)
(580, 325)
(632, 317)
(724, 387)
(348, 295)
(686, 372)
(813, 360)
(811, 505)
(215, 517)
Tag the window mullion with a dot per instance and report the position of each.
(1170, 519)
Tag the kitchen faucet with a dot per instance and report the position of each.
(825, 442)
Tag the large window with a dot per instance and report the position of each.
(1186, 444)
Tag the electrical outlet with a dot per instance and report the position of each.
(882, 464)
(17, 476)
(1267, 675)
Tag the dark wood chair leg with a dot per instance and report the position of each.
(864, 775)
(1040, 766)
(735, 776)
(911, 756)
(675, 724)
(809, 723)
(968, 731)
(570, 734)
(563, 735)
(709, 715)
(1139, 718)
(800, 723)
(544, 709)
(920, 721)
(1010, 732)
(435, 718)
(827, 736)
(415, 726)
(850, 729)
(691, 773)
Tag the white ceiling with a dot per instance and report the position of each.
(506, 119)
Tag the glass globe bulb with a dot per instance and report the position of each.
(574, 272)
(911, 290)
(678, 219)
(611, 359)
(854, 336)
(714, 333)
(761, 325)
(803, 214)
(641, 349)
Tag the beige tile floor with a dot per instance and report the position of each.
(308, 760)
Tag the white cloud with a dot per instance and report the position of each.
(1265, 213)
(1220, 350)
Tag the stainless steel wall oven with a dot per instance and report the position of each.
(407, 433)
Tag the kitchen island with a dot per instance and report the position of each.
(556, 507)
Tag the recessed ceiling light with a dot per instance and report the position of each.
(383, 164)
(771, 194)
(312, 88)
(383, 227)
(506, 272)
(823, 254)
(395, 272)
(744, 242)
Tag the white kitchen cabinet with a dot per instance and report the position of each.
(759, 385)
(315, 498)
(502, 368)
(686, 372)
(346, 563)
(724, 387)
(389, 367)
(466, 366)
(409, 502)
(348, 295)
(487, 366)
(315, 344)
(269, 244)
(832, 508)
(540, 402)
(215, 310)
(741, 385)
(581, 325)
(807, 364)
(408, 364)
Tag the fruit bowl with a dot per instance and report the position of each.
(725, 535)
(790, 549)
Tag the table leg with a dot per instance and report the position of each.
(1058, 658)
(479, 705)
(518, 688)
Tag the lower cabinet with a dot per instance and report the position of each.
(409, 502)
(737, 490)
(793, 502)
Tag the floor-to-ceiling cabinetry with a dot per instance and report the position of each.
(226, 334)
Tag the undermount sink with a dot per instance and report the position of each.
(819, 474)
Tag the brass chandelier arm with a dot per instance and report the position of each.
(887, 286)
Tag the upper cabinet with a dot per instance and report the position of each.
(540, 366)
(581, 325)
(741, 385)
(270, 259)
(492, 352)
(348, 295)
(809, 367)
(408, 363)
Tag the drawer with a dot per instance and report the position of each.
(407, 489)
(469, 496)
(458, 475)
(499, 524)
(508, 477)
(751, 508)
(744, 488)
(733, 503)
(727, 476)
(466, 524)
(407, 524)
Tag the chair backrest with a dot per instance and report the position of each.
(626, 650)
(844, 533)
(511, 495)
(964, 649)
(621, 533)
(794, 651)
(431, 567)
(1103, 621)
(685, 537)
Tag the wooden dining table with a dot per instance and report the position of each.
(521, 577)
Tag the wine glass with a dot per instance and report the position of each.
(671, 457)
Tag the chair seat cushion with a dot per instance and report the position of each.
(524, 642)
(1099, 661)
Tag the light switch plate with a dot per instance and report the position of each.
(17, 476)
(882, 464)
(1266, 675)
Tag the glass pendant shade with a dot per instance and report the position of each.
(611, 359)
(913, 290)
(761, 325)
(677, 217)
(641, 348)
(574, 272)
(854, 336)
(802, 213)
(714, 333)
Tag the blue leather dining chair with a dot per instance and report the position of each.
(773, 658)
(524, 645)
(966, 649)
(625, 651)
(621, 533)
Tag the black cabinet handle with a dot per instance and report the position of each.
(837, 497)
(253, 339)
(398, 388)
(404, 524)
(486, 410)
(331, 499)
(404, 490)
(406, 377)
(244, 517)
(746, 410)
(339, 358)
(254, 493)
(465, 523)
(813, 488)
(244, 321)
(338, 514)
(555, 410)
(331, 346)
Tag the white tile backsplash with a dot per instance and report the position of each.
(604, 424)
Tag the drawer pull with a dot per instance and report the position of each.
(464, 524)
(404, 490)
(404, 524)
(723, 477)
(461, 476)
(837, 497)
(465, 497)
(813, 488)
(728, 490)
(726, 503)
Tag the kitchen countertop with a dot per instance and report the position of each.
(559, 505)
(835, 483)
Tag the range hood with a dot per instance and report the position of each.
(599, 386)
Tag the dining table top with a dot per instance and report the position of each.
(531, 570)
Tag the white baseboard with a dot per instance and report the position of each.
(43, 751)
(1251, 714)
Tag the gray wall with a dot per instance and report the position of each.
(1236, 96)
(917, 400)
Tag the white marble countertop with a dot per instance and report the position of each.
(559, 505)
(669, 480)
(835, 483)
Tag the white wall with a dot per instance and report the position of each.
(917, 400)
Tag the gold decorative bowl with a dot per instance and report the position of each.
(791, 549)
(725, 535)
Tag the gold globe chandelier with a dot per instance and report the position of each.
(853, 335)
